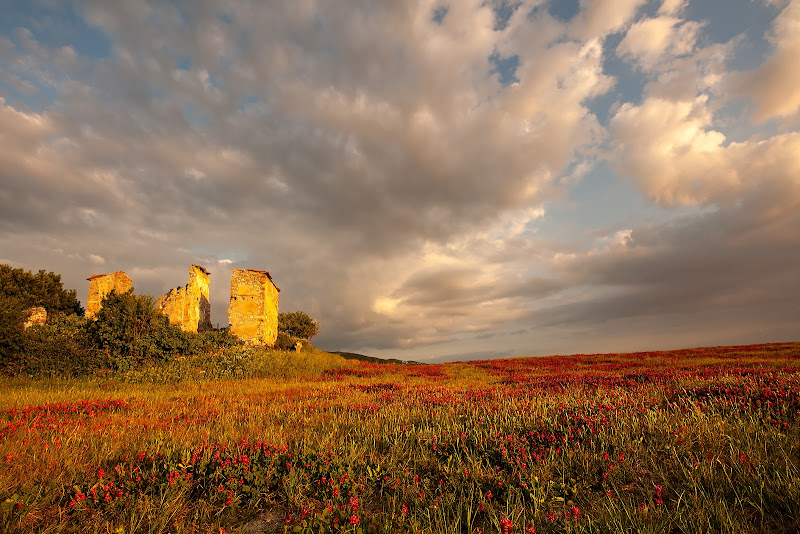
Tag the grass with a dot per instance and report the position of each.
(700, 440)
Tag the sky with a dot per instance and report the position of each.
(430, 180)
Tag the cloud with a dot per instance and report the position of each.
(654, 40)
(600, 18)
(374, 163)
(775, 84)
(94, 258)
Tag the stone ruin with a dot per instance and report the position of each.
(35, 315)
(253, 310)
(100, 285)
(189, 307)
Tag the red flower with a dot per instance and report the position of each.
(353, 519)
(506, 525)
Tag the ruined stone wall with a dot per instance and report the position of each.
(172, 305)
(198, 309)
(253, 309)
(189, 307)
(36, 315)
(101, 285)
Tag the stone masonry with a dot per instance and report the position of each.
(36, 315)
(253, 310)
(101, 285)
(189, 307)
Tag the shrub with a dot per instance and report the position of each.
(11, 332)
(215, 340)
(298, 324)
(61, 348)
(132, 331)
(286, 341)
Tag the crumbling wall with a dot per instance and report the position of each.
(198, 308)
(189, 307)
(35, 315)
(101, 285)
(253, 309)
(172, 305)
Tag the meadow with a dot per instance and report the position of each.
(697, 440)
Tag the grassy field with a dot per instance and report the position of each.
(702, 440)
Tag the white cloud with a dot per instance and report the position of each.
(672, 152)
(602, 17)
(654, 40)
(775, 85)
(96, 259)
(672, 7)
(376, 166)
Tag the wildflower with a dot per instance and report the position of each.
(405, 510)
(576, 512)
(353, 503)
(506, 525)
(530, 529)
(489, 495)
(101, 473)
(353, 519)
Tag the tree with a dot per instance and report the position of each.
(132, 330)
(298, 324)
(40, 289)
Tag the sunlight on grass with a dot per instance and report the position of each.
(686, 441)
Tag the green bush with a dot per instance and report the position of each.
(239, 362)
(297, 324)
(11, 333)
(214, 340)
(132, 331)
(287, 341)
(61, 348)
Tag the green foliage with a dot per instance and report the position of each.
(11, 332)
(61, 348)
(239, 362)
(214, 340)
(40, 289)
(298, 324)
(286, 341)
(132, 331)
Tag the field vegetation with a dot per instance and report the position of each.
(228, 438)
